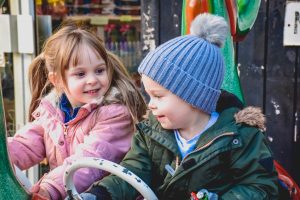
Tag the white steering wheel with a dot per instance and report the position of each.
(22, 178)
(111, 167)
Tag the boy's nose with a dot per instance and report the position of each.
(151, 104)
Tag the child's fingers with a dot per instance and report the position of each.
(36, 196)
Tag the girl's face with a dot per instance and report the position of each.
(88, 80)
(171, 111)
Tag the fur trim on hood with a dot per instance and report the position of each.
(113, 96)
(252, 116)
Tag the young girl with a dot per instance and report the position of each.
(187, 150)
(83, 105)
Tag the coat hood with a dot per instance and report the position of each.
(251, 116)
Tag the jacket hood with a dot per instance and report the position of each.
(251, 116)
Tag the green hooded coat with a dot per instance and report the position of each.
(232, 159)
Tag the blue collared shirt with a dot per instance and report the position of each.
(66, 107)
(187, 146)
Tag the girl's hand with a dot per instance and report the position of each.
(42, 195)
(36, 196)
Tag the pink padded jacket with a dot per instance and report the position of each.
(99, 130)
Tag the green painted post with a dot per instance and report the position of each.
(10, 188)
(231, 81)
(246, 12)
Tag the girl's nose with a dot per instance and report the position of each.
(92, 79)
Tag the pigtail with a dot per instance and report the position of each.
(38, 82)
(131, 96)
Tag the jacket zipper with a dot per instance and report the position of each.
(196, 150)
(65, 131)
(65, 140)
(201, 148)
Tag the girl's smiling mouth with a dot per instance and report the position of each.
(92, 91)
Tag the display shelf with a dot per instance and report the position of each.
(104, 19)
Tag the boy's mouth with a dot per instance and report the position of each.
(158, 117)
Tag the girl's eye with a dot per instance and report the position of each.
(80, 74)
(100, 71)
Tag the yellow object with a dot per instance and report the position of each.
(125, 18)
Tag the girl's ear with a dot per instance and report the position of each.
(53, 78)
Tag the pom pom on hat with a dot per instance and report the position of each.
(191, 66)
(211, 28)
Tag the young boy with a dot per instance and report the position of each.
(185, 147)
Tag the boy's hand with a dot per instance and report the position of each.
(203, 194)
(85, 196)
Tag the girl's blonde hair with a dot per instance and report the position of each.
(62, 49)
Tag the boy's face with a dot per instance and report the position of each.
(171, 111)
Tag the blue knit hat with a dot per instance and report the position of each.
(191, 66)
